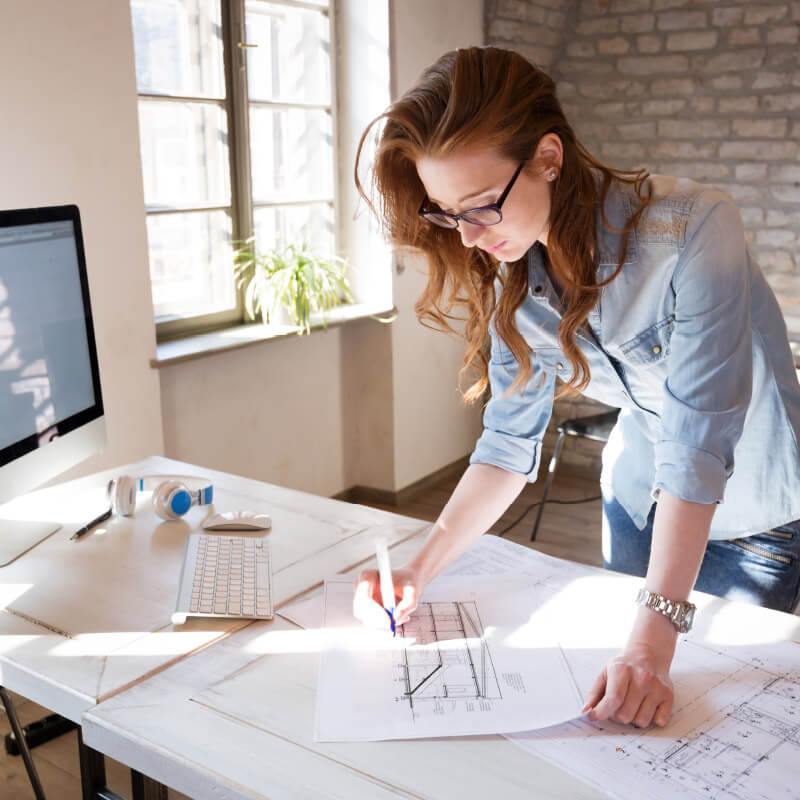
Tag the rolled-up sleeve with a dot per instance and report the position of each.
(709, 383)
(514, 422)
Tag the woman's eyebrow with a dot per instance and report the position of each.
(465, 197)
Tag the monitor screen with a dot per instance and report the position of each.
(49, 379)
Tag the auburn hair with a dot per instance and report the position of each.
(495, 99)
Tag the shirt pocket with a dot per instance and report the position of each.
(553, 361)
(650, 346)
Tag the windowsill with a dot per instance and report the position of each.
(191, 347)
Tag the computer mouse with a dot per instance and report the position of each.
(238, 521)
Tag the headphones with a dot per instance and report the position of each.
(173, 495)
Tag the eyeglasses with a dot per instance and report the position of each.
(483, 215)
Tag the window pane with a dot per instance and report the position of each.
(178, 46)
(291, 154)
(184, 153)
(191, 263)
(292, 60)
(313, 224)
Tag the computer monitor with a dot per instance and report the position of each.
(51, 407)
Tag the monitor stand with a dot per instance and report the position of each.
(17, 536)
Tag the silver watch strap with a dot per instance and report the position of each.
(679, 612)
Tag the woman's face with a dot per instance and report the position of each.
(477, 177)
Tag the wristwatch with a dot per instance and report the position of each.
(679, 612)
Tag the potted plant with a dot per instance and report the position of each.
(291, 282)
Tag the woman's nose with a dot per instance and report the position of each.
(469, 233)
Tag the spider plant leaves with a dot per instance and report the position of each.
(294, 278)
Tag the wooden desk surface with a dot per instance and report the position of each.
(84, 620)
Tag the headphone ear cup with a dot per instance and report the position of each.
(171, 500)
(121, 494)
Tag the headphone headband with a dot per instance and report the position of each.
(202, 486)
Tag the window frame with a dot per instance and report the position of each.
(237, 107)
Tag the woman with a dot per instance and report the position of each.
(637, 290)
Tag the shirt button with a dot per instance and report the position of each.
(656, 349)
(537, 289)
(560, 365)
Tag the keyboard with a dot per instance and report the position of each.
(225, 576)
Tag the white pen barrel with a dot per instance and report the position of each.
(385, 574)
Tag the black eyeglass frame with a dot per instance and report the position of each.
(496, 206)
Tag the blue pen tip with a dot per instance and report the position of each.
(391, 621)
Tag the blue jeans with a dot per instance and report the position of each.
(763, 568)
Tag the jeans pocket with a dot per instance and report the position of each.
(756, 546)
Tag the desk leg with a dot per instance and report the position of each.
(22, 743)
(145, 788)
(93, 774)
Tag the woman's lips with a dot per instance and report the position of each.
(497, 247)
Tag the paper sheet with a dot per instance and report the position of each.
(471, 660)
(734, 735)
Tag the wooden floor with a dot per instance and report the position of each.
(566, 531)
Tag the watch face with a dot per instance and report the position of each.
(689, 618)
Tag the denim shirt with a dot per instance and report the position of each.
(689, 342)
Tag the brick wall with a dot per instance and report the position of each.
(708, 89)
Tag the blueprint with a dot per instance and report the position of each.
(735, 733)
(469, 661)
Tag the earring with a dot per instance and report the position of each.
(553, 174)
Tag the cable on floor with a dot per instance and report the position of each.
(539, 502)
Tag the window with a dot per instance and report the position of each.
(237, 137)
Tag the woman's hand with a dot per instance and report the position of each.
(368, 604)
(635, 687)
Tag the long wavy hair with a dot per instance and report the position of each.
(496, 99)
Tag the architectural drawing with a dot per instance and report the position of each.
(445, 674)
(468, 662)
(738, 739)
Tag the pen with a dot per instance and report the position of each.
(387, 587)
(89, 525)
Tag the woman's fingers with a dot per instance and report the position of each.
(630, 695)
(618, 679)
(644, 716)
(596, 691)
(643, 686)
(407, 604)
(664, 710)
(365, 608)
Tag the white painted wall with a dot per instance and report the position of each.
(70, 134)
(432, 427)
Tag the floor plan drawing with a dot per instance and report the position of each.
(738, 739)
(450, 661)
(471, 660)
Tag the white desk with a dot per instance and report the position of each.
(176, 729)
(85, 620)
(236, 720)
(225, 710)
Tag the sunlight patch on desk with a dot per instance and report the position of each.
(11, 642)
(67, 508)
(315, 640)
(747, 624)
(9, 592)
(134, 643)
(591, 612)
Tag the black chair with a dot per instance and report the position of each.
(597, 428)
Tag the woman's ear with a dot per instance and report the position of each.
(549, 153)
